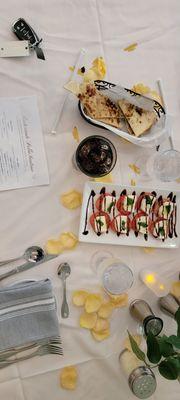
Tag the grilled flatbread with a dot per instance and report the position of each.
(98, 106)
(139, 120)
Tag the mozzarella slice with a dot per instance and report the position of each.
(146, 206)
(100, 224)
(166, 209)
(161, 229)
(129, 207)
(107, 201)
(122, 223)
(142, 224)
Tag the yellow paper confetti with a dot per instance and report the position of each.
(75, 134)
(134, 168)
(66, 241)
(68, 378)
(178, 180)
(72, 68)
(133, 182)
(131, 47)
(71, 199)
(97, 71)
(148, 250)
(106, 179)
(141, 88)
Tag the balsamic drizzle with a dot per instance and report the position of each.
(92, 194)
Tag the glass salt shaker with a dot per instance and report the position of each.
(142, 312)
(141, 379)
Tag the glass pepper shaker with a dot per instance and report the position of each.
(169, 304)
(141, 379)
(142, 312)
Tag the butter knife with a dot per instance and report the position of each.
(26, 266)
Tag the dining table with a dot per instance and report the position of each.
(139, 41)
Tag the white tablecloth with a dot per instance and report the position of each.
(33, 215)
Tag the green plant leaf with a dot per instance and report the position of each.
(153, 348)
(135, 348)
(166, 348)
(177, 318)
(174, 340)
(169, 368)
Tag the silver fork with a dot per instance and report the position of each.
(12, 352)
(41, 351)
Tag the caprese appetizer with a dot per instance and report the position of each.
(140, 224)
(126, 202)
(106, 202)
(145, 202)
(100, 222)
(121, 224)
(164, 207)
(160, 228)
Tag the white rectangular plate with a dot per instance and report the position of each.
(111, 237)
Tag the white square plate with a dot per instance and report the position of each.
(111, 237)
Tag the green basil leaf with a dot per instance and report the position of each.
(149, 200)
(153, 349)
(110, 206)
(135, 348)
(100, 222)
(169, 368)
(177, 318)
(161, 231)
(168, 208)
(130, 201)
(143, 224)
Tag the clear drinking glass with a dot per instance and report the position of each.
(162, 165)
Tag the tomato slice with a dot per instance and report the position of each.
(101, 202)
(113, 224)
(98, 214)
(120, 205)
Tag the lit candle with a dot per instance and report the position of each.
(155, 282)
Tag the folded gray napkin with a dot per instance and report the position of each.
(27, 314)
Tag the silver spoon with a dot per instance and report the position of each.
(64, 271)
(32, 254)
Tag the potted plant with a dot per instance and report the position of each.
(163, 352)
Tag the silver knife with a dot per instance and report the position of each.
(26, 266)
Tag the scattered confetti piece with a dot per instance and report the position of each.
(72, 68)
(148, 250)
(133, 182)
(54, 246)
(141, 88)
(106, 179)
(135, 168)
(68, 378)
(75, 134)
(66, 241)
(178, 180)
(97, 71)
(71, 199)
(131, 47)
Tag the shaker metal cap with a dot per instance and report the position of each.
(153, 324)
(142, 382)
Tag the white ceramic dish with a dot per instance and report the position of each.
(111, 237)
